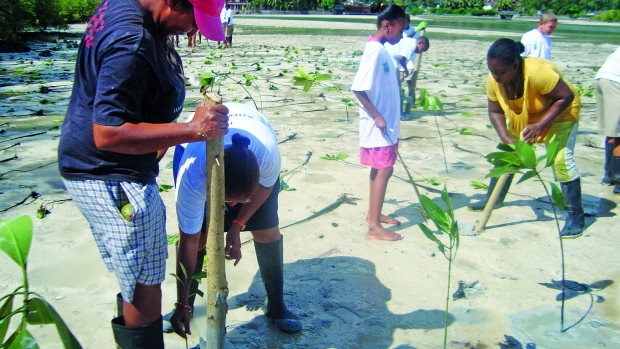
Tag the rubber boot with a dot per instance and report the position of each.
(575, 221)
(140, 337)
(270, 262)
(615, 173)
(119, 304)
(200, 258)
(607, 180)
(480, 205)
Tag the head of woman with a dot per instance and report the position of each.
(185, 16)
(391, 19)
(504, 60)
(241, 171)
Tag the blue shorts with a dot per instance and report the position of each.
(135, 250)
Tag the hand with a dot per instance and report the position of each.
(381, 124)
(210, 122)
(421, 26)
(233, 244)
(180, 322)
(406, 73)
(531, 132)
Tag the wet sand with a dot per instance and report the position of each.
(350, 292)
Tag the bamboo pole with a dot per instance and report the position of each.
(217, 286)
(488, 209)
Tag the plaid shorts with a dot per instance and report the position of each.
(135, 250)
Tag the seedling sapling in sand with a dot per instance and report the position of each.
(519, 157)
(307, 80)
(427, 100)
(15, 240)
(446, 224)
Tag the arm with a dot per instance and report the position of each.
(144, 138)
(498, 120)
(562, 97)
(186, 256)
(403, 63)
(372, 111)
(233, 242)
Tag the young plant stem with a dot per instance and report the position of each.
(441, 141)
(415, 187)
(445, 325)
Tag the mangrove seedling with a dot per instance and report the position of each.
(521, 158)
(446, 224)
(15, 241)
(307, 80)
(429, 101)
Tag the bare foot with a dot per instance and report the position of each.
(380, 233)
(387, 220)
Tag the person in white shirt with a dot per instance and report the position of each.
(230, 26)
(608, 112)
(224, 24)
(376, 87)
(407, 51)
(252, 173)
(537, 41)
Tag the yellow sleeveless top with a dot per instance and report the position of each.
(541, 77)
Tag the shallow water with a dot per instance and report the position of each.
(565, 32)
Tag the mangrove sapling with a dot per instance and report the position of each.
(307, 80)
(519, 157)
(283, 182)
(15, 241)
(433, 102)
(446, 224)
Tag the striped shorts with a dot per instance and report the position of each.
(135, 250)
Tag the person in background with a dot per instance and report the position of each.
(230, 26)
(541, 106)
(376, 87)
(128, 89)
(537, 41)
(252, 175)
(608, 112)
(224, 25)
(413, 32)
(404, 55)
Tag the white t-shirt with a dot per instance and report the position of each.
(536, 44)
(191, 183)
(229, 16)
(406, 47)
(611, 68)
(223, 15)
(377, 76)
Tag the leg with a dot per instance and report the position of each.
(269, 253)
(145, 306)
(480, 205)
(410, 94)
(615, 165)
(378, 185)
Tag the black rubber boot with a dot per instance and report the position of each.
(140, 337)
(575, 221)
(200, 258)
(479, 206)
(607, 180)
(119, 304)
(615, 173)
(270, 262)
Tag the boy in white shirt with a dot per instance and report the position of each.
(537, 41)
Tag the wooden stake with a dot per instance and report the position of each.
(416, 68)
(217, 286)
(488, 209)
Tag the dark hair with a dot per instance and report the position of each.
(389, 12)
(241, 169)
(506, 51)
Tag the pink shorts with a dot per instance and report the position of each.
(379, 157)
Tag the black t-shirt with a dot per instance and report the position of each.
(124, 73)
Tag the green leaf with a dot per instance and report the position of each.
(5, 310)
(432, 103)
(446, 199)
(340, 156)
(501, 158)
(452, 85)
(557, 196)
(437, 102)
(273, 88)
(426, 104)
(303, 74)
(527, 175)
(307, 86)
(466, 132)
(15, 239)
(201, 275)
(525, 153)
(165, 187)
(21, 339)
(479, 185)
(435, 213)
(41, 312)
(467, 114)
(506, 147)
(322, 77)
(429, 234)
(552, 152)
(497, 171)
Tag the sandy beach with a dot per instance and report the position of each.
(350, 292)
